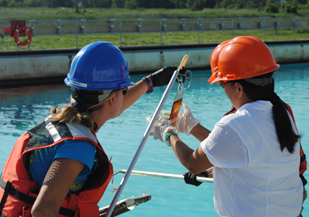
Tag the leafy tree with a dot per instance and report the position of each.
(210, 3)
(302, 1)
(272, 8)
(156, 3)
(190, 3)
(105, 3)
(31, 3)
(130, 4)
(4, 3)
(198, 5)
(12, 4)
(118, 3)
(289, 8)
(143, 3)
(180, 3)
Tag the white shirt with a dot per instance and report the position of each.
(252, 177)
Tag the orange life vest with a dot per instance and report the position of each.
(303, 162)
(18, 192)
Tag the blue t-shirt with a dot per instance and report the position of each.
(82, 151)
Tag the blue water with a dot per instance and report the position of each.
(121, 137)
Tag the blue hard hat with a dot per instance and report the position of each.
(99, 66)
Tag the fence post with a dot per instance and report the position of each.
(198, 31)
(278, 24)
(183, 25)
(112, 26)
(140, 26)
(76, 34)
(294, 27)
(241, 25)
(59, 28)
(264, 29)
(33, 27)
(232, 28)
(83, 27)
(120, 33)
(223, 24)
(161, 26)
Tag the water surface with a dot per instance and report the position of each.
(23, 108)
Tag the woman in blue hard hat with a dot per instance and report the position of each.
(254, 152)
(59, 167)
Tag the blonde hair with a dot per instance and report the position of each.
(71, 115)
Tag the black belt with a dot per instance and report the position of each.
(8, 189)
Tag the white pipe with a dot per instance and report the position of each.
(165, 175)
(139, 150)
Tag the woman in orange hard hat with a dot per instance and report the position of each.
(254, 152)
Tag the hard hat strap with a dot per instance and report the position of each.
(89, 98)
(259, 81)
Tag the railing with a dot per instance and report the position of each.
(84, 27)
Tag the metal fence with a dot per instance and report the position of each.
(113, 26)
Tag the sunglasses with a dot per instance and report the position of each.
(124, 91)
(222, 84)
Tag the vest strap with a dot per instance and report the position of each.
(8, 189)
(302, 158)
(302, 177)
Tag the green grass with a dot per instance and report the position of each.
(130, 39)
(115, 13)
(133, 39)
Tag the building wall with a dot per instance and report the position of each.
(30, 66)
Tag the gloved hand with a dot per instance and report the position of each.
(162, 76)
(160, 128)
(190, 178)
(185, 122)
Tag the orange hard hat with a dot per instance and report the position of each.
(240, 58)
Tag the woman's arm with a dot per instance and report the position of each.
(56, 185)
(200, 132)
(195, 161)
(133, 94)
(157, 79)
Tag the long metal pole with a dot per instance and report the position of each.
(146, 134)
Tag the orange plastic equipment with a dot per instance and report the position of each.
(240, 58)
(17, 30)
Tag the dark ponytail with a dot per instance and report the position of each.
(284, 129)
(286, 135)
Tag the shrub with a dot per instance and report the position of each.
(130, 4)
(289, 8)
(12, 4)
(32, 3)
(272, 8)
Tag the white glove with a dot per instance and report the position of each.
(160, 128)
(185, 122)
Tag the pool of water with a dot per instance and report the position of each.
(121, 137)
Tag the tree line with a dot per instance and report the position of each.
(269, 5)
